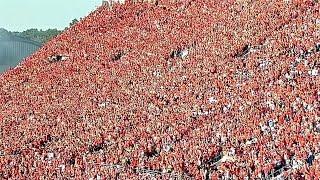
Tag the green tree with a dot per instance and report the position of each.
(38, 35)
(73, 22)
(4, 33)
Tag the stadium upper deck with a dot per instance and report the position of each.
(195, 89)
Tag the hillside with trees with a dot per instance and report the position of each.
(41, 36)
(38, 35)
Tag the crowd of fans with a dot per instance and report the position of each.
(191, 89)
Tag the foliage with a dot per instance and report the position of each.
(3, 33)
(73, 22)
(38, 35)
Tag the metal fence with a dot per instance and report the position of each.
(13, 50)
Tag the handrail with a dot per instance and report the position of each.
(22, 41)
(148, 171)
(17, 38)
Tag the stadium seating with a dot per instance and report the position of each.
(192, 89)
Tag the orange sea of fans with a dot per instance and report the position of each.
(192, 89)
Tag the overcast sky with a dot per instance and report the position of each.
(19, 15)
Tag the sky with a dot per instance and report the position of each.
(20, 15)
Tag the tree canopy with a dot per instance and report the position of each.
(38, 35)
(41, 36)
(73, 22)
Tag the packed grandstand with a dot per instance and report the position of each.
(180, 89)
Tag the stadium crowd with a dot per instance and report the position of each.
(192, 89)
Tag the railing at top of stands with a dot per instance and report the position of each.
(149, 171)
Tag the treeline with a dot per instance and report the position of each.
(41, 36)
(38, 35)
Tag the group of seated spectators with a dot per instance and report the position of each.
(191, 89)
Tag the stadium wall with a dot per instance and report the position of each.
(13, 50)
